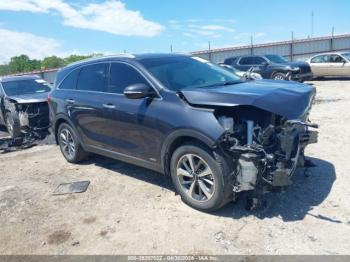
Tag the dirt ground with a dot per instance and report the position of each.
(128, 210)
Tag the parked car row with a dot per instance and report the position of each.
(214, 134)
(272, 67)
(278, 68)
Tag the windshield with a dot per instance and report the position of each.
(180, 72)
(229, 68)
(25, 87)
(276, 59)
(347, 56)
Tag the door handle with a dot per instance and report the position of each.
(109, 106)
(70, 101)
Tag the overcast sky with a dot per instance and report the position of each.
(60, 27)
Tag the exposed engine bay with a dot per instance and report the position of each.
(28, 118)
(265, 148)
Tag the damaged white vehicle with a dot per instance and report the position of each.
(23, 105)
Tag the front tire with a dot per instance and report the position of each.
(199, 178)
(12, 125)
(279, 76)
(69, 144)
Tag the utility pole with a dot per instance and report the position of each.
(332, 40)
(209, 50)
(171, 48)
(312, 23)
(292, 48)
(251, 45)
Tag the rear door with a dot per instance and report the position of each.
(245, 63)
(85, 104)
(259, 64)
(320, 65)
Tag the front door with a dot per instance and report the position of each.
(128, 127)
(338, 66)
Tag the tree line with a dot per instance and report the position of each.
(22, 63)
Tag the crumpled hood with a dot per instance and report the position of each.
(288, 99)
(30, 98)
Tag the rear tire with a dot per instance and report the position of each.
(199, 177)
(69, 144)
(12, 125)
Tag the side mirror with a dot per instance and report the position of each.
(138, 91)
(264, 63)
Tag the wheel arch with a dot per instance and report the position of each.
(60, 120)
(178, 138)
(278, 70)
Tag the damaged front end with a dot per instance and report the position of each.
(265, 148)
(266, 129)
(29, 118)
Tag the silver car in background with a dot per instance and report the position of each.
(330, 64)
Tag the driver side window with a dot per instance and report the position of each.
(123, 75)
(336, 59)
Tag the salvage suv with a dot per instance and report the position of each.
(182, 116)
(23, 105)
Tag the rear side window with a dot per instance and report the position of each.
(93, 77)
(245, 61)
(123, 75)
(320, 59)
(70, 82)
(252, 60)
(230, 61)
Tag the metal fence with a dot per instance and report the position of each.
(294, 50)
(300, 49)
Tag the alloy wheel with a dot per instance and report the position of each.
(67, 143)
(279, 77)
(195, 177)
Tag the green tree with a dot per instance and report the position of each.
(4, 70)
(23, 63)
(52, 62)
(74, 58)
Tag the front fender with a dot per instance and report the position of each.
(184, 133)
